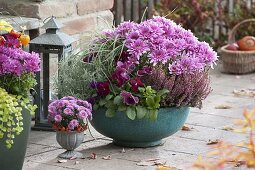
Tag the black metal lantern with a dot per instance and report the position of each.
(53, 42)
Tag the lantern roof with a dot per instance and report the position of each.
(53, 36)
(52, 23)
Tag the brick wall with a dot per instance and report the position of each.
(80, 18)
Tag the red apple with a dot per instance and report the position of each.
(233, 47)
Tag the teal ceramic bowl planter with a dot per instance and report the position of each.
(140, 132)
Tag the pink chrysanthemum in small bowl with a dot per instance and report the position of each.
(69, 114)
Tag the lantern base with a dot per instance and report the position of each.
(42, 127)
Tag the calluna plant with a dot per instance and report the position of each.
(69, 114)
(138, 68)
(17, 77)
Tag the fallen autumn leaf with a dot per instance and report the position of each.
(223, 107)
(245, 92)
(186, 128)
(62, 161)
(123, 150)
(151, 162)
(212, 142)
(93, 156)
(108, 157)
(227, 128)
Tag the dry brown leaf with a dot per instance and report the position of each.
(72, 158)
(108, 157)
(223, 107)
(213, 142)
(62, 161)
(227, 128)
(148, 162)
(186, 128)
(93, 156)
(123, 150)
(240, 163)
(145, 163)
(245, 92)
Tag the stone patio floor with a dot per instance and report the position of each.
(179, 150)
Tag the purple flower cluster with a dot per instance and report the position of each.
(157, 53)
(70, 113)
(162, 42)
(16, 61)
(128, 98)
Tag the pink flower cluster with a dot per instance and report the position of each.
(14, 60)
(69, 113)
(162, 42)
(17, 61)
(155, 43)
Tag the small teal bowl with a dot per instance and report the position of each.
(140, 132)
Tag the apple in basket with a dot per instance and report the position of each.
(232, 47)
(247, 43)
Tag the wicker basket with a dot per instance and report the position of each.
(238, 62)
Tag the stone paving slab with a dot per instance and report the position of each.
(35, 149)
(179, 150)
(205, 134)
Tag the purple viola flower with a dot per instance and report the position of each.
(124, 56)
(128, 98)
(120, 75)
(93, 84)
(103, 88)
(73, 124)
(144, 71)
(91, 100)
(58, 118)
(136, 83)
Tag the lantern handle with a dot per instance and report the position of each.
(44, 21)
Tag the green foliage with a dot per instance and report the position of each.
(149, 99)
(11, 107)
(18, 85)
(75, 75)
